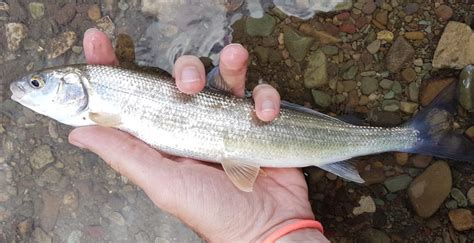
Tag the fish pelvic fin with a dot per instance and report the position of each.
(436, 135)
(243, 175)
(345, 170)
(105, 119)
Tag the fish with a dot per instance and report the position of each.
(215, 126)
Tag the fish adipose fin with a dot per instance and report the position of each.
(344, 170)
(243, 175)
(436, 135)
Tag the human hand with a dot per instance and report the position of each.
(198, 193)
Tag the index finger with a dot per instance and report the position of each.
(233, 67)
(98, 48)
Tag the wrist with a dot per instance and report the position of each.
(294, 230)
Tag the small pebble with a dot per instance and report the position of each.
(461, 219)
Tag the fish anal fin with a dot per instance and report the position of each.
(344, 169)
(243, 175)
(105, 119)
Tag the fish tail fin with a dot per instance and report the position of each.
(436, 135)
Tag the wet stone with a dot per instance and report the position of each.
(15, 33)
(36, 10)
(400, 53)
(75, 237)
(456, 47)
(368, 85)
(94, 12)
(470, 195)
(40, 236)
(61, 44)
(391, 105)
(17, 12)
(415, 35)
(260, 27)
(457, 195)
(461, 219)
(351, 72)
(413, 91)
(49, 176)
(65, 14)
(451, 204)
(296, 44)
(386, 84)
(466, 88)
(321, 98)
(41, 157)
(316, 72)
(106, 25)
(401, 158)
(421, 161)
(429, 190)
(408, 107)
(409, 75)
(411, 8)
(397, 183)
(444, 12)
(330, 50)
(49, 212)
(374, 47)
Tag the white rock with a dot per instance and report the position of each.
(15, 33)
(367, 205)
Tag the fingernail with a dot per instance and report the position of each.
(190, 74)
(268, 106)
(77, 144)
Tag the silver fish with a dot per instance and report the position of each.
(215, 126)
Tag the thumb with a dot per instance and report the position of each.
(132, 158)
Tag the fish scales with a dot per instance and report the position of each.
(213, 126)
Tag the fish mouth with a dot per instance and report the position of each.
(17, 90)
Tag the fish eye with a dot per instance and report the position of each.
(36, 82)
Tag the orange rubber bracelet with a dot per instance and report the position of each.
(293, 227)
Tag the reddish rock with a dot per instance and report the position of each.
(444, 12)
(432, 88)
(343, 16)
(409, 75)
(361, 22)
(369, 7)
(400, 53)
(348, 28)
(461, 219)
(331, 28)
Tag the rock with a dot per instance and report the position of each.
(432, 88)
(401, 158)
(391, 105)
(415, 35)
(17, 12)
(262, 53)
(366, 205)
(466, 88)
(451, 204)
(348, 28)
(142, 237)
(260, 27)
(397, 183)
(382, 17)
(25, 227)
(456, 47)
(41, 156)
(470, 195)
(385, 35)
(49, 212)
(316, 74)
(397, 87)
(408, 107)
(351, 72)
(321, 98)
(296, 44)
(386, 84)
(106, 25)
(389, 95)
(65, 14)
(369, 7)
(470, 133)
(94, 12)
(50, 175)
(457, 195)
(413, 91)
(368, 85)
(61, 44)
(421, 161)
(15, 33)
(40, 236)
(373, 236)
(428, 191)
(374, 46)
(461, 219)
(36, 10)
(4, 7)
(411, 8)
(444, 12)
(330, 50)
(75, 237)
(400, 53)
(322, 36)
(116, 218)
(409, 74)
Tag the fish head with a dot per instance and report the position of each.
(58, 93)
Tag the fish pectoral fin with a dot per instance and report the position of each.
(105, 119)
(344, 170)
(243, 175)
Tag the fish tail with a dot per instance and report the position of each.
(436, 135)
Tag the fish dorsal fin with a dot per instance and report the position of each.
(292, 106)
(243, 175)
(216, 81)
(344, 170)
